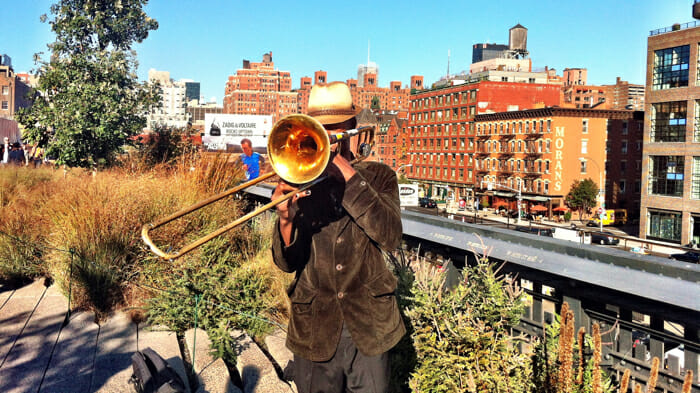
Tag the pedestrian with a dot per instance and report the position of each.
(252, 161)
(27, 150)
(6, 150)
(344, 315)
(37, 156)
(16, 154)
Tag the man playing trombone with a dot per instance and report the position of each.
(344, 316)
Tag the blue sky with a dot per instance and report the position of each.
(207, 40)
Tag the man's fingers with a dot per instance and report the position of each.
(302, 194)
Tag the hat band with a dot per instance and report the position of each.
(331, 112)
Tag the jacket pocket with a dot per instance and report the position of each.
(384, 284)
(301, 298)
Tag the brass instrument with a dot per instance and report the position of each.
(299, 151)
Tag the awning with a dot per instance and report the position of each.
(503, 194)
(535, 198)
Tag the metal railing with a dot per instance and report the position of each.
(674, 27)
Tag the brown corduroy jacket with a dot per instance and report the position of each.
(341, 277)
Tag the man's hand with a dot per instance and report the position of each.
(343, 165)
(283, 209)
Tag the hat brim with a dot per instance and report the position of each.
(336, 118)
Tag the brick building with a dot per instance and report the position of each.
(440, 131)
(623, 167)
(13, 92)
(368, 95)
(543, 151)
(260, 89)
(670, 202)
(624, 95)
(390, 147)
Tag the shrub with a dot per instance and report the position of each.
(461, 335)
(238, 286)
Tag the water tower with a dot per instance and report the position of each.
(517, 41)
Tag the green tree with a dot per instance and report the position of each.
(89, 101)
(582, 195)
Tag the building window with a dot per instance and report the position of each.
(623, 186)
(665, 225)
(668, 121)
(584, 125)
(623, 167)
(623, 147)
(584, 146)
(666, 175)
(671, 67)
(696, 129)
(5, 90)
(5, 105)
(695, 185)
(584, 166)
(624, 128)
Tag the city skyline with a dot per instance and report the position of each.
(208, 41)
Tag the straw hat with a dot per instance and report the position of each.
(331, 103)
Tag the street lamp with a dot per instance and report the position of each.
(401, 167)
(601, 189)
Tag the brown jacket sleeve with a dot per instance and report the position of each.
(372, 200)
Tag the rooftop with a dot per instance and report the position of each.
(674, 27)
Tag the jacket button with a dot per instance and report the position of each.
(341, 295)
(363, 183)
(338, 267)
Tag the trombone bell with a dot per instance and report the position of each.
(298, 148)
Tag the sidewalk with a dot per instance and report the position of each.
(627, 242)
(43, 351)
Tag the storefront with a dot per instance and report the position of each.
(665, 225)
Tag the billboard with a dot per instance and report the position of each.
(225, 131)
(408, 194)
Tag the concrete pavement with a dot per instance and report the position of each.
(41, 353)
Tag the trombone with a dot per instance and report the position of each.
(299, 151)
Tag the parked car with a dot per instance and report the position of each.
(427, 202)
(535, 231)
(689, 256)
(604, 238)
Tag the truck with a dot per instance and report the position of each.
(572, 235)
(610, 217)
(408, 194)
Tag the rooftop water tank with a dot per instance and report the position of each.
(517, 39)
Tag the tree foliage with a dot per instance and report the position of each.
(582, 195)
(90, 101)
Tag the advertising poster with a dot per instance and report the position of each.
(225, 131)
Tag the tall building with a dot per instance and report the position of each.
(541, 152)
(172, 111)
(623, 167)
(441, 134)
(260, 89)
(670, 203)
(192, 90)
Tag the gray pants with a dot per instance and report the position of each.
(348, 371)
